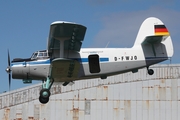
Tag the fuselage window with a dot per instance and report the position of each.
(94, 66)
(115, 58)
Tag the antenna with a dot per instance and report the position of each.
(107, 44)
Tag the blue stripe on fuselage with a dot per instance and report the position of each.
(86, 59)
(49, 61)
(32, 62)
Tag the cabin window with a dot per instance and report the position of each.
(115, 58)
(94, 66)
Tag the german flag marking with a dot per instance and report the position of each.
(160, 30)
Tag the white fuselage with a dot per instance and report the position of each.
(111, 61)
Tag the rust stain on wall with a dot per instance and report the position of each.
(6, 114)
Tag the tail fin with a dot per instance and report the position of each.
(155, 39)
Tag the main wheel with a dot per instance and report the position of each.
(45, 93)
(43, 100)
(150, 71)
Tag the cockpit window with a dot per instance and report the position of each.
(45, 54)
(34, 56)
(40, 55)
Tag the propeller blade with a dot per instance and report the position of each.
(9, 70)
(8, 58)
(9, 81)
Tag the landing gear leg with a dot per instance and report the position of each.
(150, 71)
(45, 92)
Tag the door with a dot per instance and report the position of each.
(94, 66)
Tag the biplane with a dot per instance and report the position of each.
(65, 61)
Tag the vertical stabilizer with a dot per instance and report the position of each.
(155, 40)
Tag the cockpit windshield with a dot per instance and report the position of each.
(40, 55)
(34, 55)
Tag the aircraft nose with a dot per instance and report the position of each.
(8, 70)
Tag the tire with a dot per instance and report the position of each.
(43, 100)
(150, 71)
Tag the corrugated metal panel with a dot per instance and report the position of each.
(126, 96)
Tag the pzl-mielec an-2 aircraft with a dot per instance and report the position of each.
(65, 61)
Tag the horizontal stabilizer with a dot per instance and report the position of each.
(154, 39)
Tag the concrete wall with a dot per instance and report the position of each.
(129, 96)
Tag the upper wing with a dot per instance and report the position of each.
(72, 34)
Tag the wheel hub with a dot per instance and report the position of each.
(45, 94)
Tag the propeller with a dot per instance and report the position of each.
(8, 69)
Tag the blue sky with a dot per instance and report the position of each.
(24, 25)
